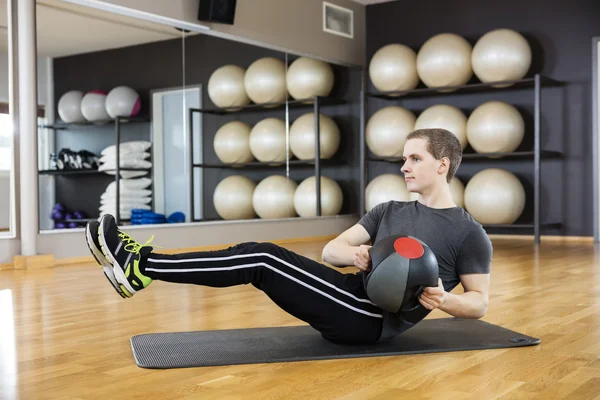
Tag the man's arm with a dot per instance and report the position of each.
(473, 303)
(341, 250)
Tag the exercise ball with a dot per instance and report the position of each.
(123, 101)
(69, 107)
(457, 191)
(401, 267)
(233, 198)
(226, 87)
(495, 126)
(274, 197)
(232, 143)
(501, 55)
(303, 136)
(387, 130)
(93, 107)
(394, 67)
(268, 141)
(445, 117)
(494, 196)
(445, 60)
(265, 81)
(307, 78)
(305, 197)
(384, 188)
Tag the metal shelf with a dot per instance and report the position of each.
(536, 82)
(258, 164)
(122, 120)
(85, 171)
(323, 101)
(468, 88)
(485, 156)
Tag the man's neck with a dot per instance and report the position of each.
(437, 197)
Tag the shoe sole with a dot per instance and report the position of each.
(102, 261)
(117, 271)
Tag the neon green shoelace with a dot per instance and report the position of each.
(132, 245)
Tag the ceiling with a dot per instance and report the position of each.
(65, 29)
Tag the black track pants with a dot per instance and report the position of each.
(333, 303)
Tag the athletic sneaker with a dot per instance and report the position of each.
(91, 238)
(125, 254)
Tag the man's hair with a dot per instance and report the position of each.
(441, 143)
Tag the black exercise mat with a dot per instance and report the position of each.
(303, 343)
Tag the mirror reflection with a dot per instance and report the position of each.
(6, 132)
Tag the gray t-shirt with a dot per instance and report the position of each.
(460, 244)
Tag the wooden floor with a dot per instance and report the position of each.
(64, 334)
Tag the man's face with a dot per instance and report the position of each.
(420, 168)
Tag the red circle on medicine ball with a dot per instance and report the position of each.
(408, 247)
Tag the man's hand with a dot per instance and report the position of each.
(362, 258)
(433, 297)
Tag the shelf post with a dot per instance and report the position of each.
(318, 154)
(537, 163)
(192, 169)
(362, 166)
(118, 169)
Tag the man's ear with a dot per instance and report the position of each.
(444, 164)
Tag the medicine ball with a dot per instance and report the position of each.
(402, 266)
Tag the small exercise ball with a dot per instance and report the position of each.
(69, 107)
(445, 60)
(494, 196)
(495, 126)
(446, 117)
(305, 197)
(457, 191)
(232, 143)
(303, 136)
(307, 78)
(123, 101)
(93, 107)
(265, 81)
(226, 87)
(274, 197)
(394, 67)
(233, 198)
(384, 188)
(267, 140)
(387, 130)
(501, 55)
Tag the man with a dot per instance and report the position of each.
(333, 303)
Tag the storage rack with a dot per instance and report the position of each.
(316, 102)
(537, 81)
(82, 172)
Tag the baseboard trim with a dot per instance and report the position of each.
(548, 238)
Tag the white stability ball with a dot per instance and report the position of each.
(501, 55)
(394, 67)
(69, 107)
(307, 77)
(384, 188)
(387, 130)
(123, 101)
(495, 126)
(265, 81)
(232, 143)
(303, 136)
(233, 198)
(305, 197)
(446, 117)
(457, 191)
(267, 140)
(445, 60)
(494, 196)
(226, 87)
(274, 197)
(93, 106)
